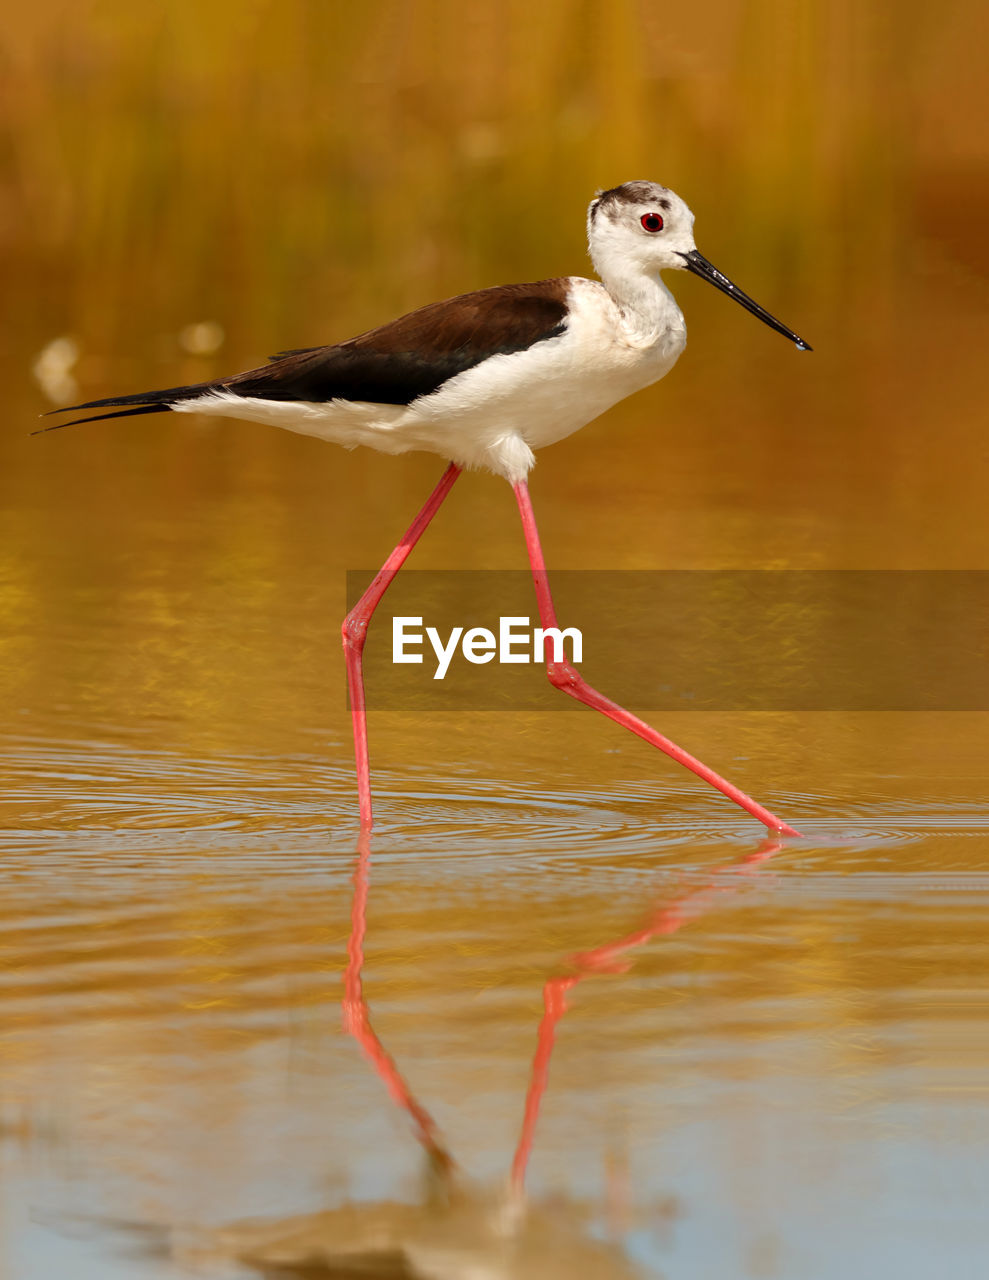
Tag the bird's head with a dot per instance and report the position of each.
(641, 228)
(647, 225)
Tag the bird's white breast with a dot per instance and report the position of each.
(553, 388)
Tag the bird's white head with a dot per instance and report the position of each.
(639, 229)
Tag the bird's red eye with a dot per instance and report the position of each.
(652, 221)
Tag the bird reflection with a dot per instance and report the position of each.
(610, 957)
(357, 1021)
(462, 1230)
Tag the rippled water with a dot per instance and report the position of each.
(723, 1041)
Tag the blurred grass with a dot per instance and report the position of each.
(300, 169)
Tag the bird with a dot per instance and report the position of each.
(483, 380)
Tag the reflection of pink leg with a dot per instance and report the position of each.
(563, 676)
(357, 1017)
(554, 1007)
(355, 632)
(607, 959)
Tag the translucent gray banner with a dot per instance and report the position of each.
(705, 640)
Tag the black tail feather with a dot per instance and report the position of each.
(98, 417)
(145, 402)
(167, 396)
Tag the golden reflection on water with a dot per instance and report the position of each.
(179, 805)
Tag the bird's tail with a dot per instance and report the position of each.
(142, 402)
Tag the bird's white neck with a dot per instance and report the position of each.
(649, 310)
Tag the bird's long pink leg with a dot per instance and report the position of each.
(563, 676)
(355, 632)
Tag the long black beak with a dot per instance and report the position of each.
(699, 265)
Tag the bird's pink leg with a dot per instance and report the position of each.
(563, 676)
(355, 632)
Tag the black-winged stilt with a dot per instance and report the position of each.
(484, 379)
